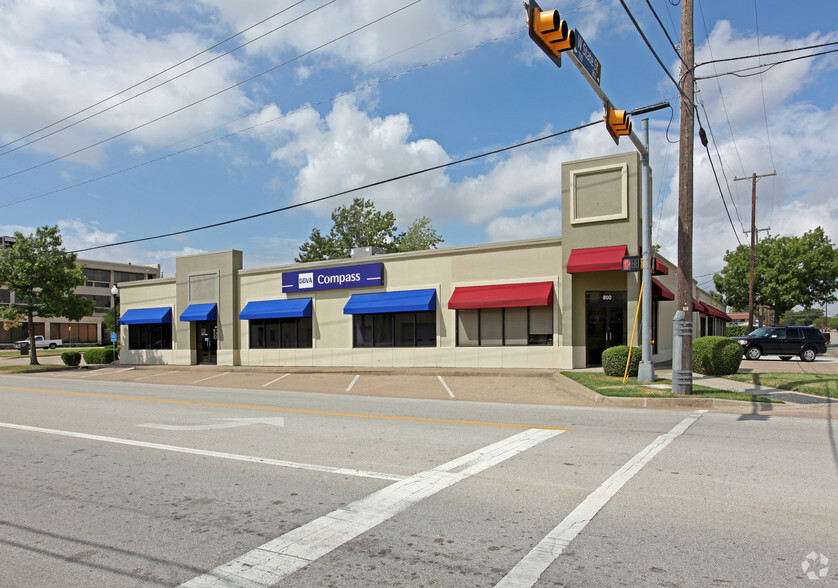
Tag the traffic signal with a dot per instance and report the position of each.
(617, 122)
(550, 32)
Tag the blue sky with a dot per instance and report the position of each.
(435, 82)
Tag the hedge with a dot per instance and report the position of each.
(716, 356)
(736, 330)
(614, 360)
(98, 356)
(71, 358)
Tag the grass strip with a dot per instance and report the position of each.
(825, 385)
(612, 386)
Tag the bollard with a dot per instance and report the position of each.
(681, 328)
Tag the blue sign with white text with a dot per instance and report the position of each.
(348, 276)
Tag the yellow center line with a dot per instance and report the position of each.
(292, 410)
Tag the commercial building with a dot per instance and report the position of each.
(100, 277)
(540, 303)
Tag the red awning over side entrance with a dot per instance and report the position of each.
(502, 296)
(596, 259)
(661, 292)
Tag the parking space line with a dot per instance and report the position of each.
(444, 385)
(527, 572)
(355, 379)
(211, 377)
(206, 453)
(154, 375)
(275, 560)
(105, 371)
(275, 380)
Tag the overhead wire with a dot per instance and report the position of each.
(158, 74)
(345, 192)
(765, 116)
(100, 175)
(649, 45)
(213, 95)
(764, 66)
(721, 96)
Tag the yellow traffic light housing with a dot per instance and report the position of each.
(550, 32)
(617, 122)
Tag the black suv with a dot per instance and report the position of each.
(786, 341)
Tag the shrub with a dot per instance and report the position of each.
(71, 358)
(736, 330)
(716, 356)
(116, 353)
(98, 356)
(614, 360)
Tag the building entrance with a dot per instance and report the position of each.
(206, 342)
(605, 316)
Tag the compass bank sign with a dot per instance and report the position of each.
(348, 276)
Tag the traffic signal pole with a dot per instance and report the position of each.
(555, 38)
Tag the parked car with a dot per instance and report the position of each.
(785, 341)
(40, 343)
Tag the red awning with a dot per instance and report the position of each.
(659, 269)
(596, 259)
(661, 292)
(502, 296)
(699, 307)
(717, 313)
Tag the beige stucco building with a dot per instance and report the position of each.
(552, 303)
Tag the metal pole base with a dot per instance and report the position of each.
(646, 371)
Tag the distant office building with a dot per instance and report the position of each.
(100, 278)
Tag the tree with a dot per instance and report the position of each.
(420, 235)
(788, 272)
(361, 225)
(43, 277)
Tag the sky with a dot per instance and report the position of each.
(127, 119)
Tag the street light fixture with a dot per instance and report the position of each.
(114, 291)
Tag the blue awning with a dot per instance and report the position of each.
(200, 312)
(146, 316)
(408, 301)
(270, 309)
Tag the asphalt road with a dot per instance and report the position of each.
(127, 483)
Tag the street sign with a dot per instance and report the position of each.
(113, 337)
(586, 57)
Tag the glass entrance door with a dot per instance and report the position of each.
(206, 342)
(605, 316)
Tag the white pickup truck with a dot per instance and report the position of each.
(40, 343)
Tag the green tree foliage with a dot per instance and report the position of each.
(789, 272)
(43, 277)
(809, 316)
(361, 225)
(420, 235)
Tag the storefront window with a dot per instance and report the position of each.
(286, 333)
(496, 327)
(150, 336)
(395, 329)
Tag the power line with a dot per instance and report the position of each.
(649, 45)
(344, 192)
(703, 136)
(724, 104)
(213, 95)
(765, 66)
(74, 184)
(766, 54)
(148, 79)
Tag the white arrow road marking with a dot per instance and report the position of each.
(527, 572)
(270, 563)
(276, 422)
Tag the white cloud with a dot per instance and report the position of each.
(61, 57)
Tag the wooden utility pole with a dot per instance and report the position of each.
(753, 231)
(685, 188)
